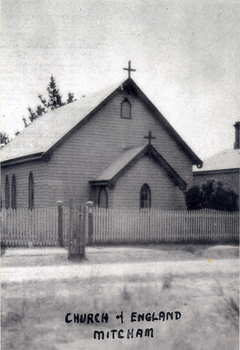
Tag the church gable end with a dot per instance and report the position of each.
(86, 139)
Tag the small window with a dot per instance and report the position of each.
(145, 197)
(125, 109)
(102, 198)
(7, 204)
(30, 191)
(14, 192)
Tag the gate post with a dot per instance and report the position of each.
(89, 222)
(81, 232)
(76, 239)
(60, 223)
(70, 234)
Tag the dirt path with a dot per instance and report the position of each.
(39, 288)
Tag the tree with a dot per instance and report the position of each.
(4, 138)
(54, 97)
(211, 195)
(54, 101)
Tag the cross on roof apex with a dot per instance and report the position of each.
(149, 137)
(129, 69)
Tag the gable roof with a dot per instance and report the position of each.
(50, 130)
(128, 158)
(225, 160)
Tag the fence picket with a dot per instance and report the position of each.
(40, 226)
(142, 226)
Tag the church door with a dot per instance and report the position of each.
(102, 198)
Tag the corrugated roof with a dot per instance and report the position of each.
(48, 129)
(228, 159)
(118, 164)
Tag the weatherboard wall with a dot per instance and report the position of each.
(39, 170)
(164, 194)
(89, 150)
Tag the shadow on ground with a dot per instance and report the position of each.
(117, 254)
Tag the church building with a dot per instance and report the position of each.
(114, 148)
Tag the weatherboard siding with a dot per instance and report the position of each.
(126, 194)
(40, 176)
(94, 146)
(100, 141)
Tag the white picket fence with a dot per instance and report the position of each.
(155, 226)
(38, 227)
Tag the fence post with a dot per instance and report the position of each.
(70, 234)
(89, 222)
(30, 227)
(81, 233)
(60, 222)
(76, 245)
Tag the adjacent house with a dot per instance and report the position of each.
(113, 147)
(224, 166)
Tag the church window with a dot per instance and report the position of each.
(14, 192)
(125, 109)
(30, 191)
(7, 192)
(102, 198)
(145, 197)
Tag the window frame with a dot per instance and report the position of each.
(126, 101)
(145, 191)
(14, 192)
(30, 191)
(7, 194)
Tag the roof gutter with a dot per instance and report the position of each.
(37, 156)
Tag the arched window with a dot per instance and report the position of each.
(125, 109)
(145, 197)
(30, 191)
(7, 204)
(102, 198)
(14, 192)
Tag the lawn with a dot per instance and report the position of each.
(196, 284)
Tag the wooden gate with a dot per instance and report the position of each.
(77, 227)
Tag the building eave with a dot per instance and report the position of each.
(170, 171)
(152, 152)
(24, 159)
(130, 87)
(158, 115)
(217, 171)
(98, 182)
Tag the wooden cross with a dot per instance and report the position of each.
(129, 69)
(149, 137)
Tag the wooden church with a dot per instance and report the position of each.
(114, 148)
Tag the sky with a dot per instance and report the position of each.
(186, 54)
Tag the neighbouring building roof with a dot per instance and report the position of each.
(49, 131)
(126, 159)
(228, 159)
